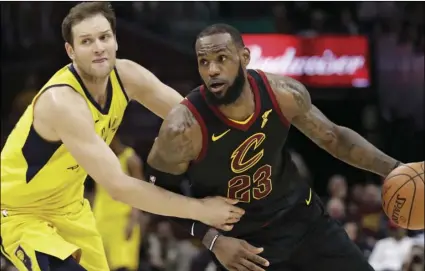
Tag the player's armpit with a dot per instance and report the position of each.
(143, 86)
(178, 143)
(343, 143)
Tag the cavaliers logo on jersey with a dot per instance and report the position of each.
(240, 162)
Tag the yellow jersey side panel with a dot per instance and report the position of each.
(36, 174)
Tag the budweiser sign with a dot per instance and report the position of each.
(318, 62)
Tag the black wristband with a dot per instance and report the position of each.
(210, 248)
(165, 180)
(199, 230)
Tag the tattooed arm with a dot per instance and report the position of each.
(342, 142)
(178, 143)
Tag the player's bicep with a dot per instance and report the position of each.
(144, 87)
(71, 120)
(316, 126)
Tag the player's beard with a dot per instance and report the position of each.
(233, 91)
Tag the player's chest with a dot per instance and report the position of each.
(237, 153)
(107, 125)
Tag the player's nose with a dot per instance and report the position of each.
(213, 70)
(98, 47)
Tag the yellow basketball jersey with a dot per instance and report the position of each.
(41, 175)
(106, 208)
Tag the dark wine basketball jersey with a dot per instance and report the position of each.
(246, 161)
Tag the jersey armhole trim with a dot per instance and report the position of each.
(204, 130)
(272, 96)
(121, 84)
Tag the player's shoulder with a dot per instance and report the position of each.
(180, 117)
(180, 122)
(59, 100)
(291, 95)
(124, 64)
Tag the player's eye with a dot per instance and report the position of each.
(222, 58)
(203, 62)
(85, 41)
(104, 37)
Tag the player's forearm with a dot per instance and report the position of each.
(150, 198)
(353, 149)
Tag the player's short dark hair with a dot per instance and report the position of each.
(222, 29)
(83, 11)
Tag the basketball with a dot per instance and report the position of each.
(403, 196)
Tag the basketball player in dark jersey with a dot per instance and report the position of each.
(228, 137)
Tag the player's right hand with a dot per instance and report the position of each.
(220, 212)
(238, 255)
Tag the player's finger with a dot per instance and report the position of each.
(225, 227)
(228, 200)
(237, 210)
(256, 259)
(240, 267)
(251, 266)
(233, 219)
(251, 248)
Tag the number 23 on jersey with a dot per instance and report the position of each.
(244, 187)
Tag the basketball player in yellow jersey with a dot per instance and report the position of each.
(117, 222)
(64, 135)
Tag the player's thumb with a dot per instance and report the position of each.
(251, 248)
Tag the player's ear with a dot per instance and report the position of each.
(69, 50)
(246, 56)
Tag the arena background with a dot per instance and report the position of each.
(374, 84)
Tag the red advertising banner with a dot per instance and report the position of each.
(327, 61)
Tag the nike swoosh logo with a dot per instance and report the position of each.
(308, 201)
(215, 138)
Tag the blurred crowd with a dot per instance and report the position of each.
(396, 32)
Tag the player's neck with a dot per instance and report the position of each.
(96, 86)
(243, 107)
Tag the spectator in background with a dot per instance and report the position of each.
(337, 187)
(347, 24)
(282, 23)
(354, 233)
(370, 216)
(317, 24)
(415, 260)
(166, 253)
(390, 253)
(336, 209)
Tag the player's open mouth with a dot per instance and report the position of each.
(217, 87)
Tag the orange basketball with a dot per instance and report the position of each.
(403, 196)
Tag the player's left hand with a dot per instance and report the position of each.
(238, 255)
